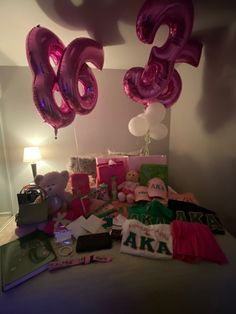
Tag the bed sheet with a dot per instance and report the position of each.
(131, 284)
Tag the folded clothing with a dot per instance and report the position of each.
(195, 213)
(193, 242)
(184, 197)
(152, 241)
(151, 213)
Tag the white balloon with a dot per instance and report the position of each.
(142, 115)
(138, 126)
(158, 131)
(155, 113)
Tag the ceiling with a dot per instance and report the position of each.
(111, 22)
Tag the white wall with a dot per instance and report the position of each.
(203, 127)
(106, 127)
(5, 187)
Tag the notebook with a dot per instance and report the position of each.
(25, 258)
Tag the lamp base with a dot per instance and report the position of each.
(34, 170)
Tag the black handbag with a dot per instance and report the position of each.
(30, 212)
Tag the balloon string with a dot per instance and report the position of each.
(147, 140)
(146, 104)
(76, 142)
(55, 133)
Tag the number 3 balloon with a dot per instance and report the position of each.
(158, 80)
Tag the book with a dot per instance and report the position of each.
(25, 258)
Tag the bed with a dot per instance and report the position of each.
(129, 284)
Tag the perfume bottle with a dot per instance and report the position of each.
(113, 188)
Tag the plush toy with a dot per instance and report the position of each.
(126, 189)
(60, 203)
(54, 184)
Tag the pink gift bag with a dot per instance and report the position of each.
(135, 162)
(115, 158)
(80, 184)
(106, 171)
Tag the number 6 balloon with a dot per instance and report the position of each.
(73, 69)
(41, 45)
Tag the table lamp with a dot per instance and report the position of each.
(31, 155)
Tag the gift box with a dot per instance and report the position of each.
(135, 162)
(105, 172)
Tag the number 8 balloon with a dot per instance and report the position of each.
(158, 80)
(41, 45)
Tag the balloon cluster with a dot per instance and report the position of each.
(150, 122)
(159, 81)
(43, 47)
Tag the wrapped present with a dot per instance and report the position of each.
(135, 162)
(106, 171)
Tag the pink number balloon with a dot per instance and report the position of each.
(73, 69)
(41, 45)
(159, 81)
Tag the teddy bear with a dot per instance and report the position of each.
(54, 184)
(126, 188)
(64, 206)
(60, 202)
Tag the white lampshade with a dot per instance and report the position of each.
(31, 154)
